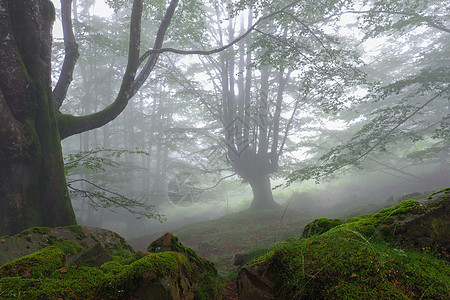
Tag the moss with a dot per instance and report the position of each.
(35, 265)
(113, 267)
(41, 230)
(446, 191)
(153, 266)
(320, 226)
(341, 264)
(45, 275)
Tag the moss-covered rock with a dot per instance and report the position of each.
(320, 226)
(37, 238)
(367, 257)
(175, 274)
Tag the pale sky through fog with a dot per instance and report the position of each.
(100, 9)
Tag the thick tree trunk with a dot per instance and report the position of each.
(33, 189)
(262, 193)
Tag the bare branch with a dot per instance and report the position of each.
(70, 57)
(70, 125)
(218, 182)
(220, 49)
(148, 68)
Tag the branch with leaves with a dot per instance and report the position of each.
(102, 197)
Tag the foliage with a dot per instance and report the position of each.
(94, 162)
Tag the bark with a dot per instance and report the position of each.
(262, 193)
(33, 190)
(255, 168)
(70, 57)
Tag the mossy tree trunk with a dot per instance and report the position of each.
(33, 190)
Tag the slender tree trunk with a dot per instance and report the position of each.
(33, 189)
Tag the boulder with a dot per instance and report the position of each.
(427, 226)
(346, 261)
(239, 259)
(35, 239)
(253, 282)
(320, 226)
(92, 257)
(66, 270)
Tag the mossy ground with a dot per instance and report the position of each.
(359, 259)
(46, 274)
(343, 264)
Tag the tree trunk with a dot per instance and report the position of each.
(262, 193)
(33, 189)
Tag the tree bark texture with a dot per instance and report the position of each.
(33, 190)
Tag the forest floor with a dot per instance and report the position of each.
(247, 232)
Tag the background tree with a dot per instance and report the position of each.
(408, 102)
(265, 84)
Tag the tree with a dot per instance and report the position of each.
(257, 101)
(408, 101)
(33, 190)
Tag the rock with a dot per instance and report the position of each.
(92, 257)
(239, 259)
(175, 274)
(320, 226)
(428, 225)
(253, 283)
(162, 244)
(35, 239)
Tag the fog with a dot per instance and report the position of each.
(276, 121)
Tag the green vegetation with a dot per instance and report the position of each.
(219, 240)
(359, 259)
(343, 264)
(47, 274)
(320, 226)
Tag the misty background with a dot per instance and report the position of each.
(166, 158)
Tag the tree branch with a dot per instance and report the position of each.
(220, 49)
(70, 57)
(70, 125)
(422, 18)
(385, 136)
(148, 68)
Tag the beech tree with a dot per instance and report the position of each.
(33, 189)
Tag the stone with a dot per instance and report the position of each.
(35, 239)
(320, 226)
(92, 257)
(164, 243)
(253, 283)
(239, 259)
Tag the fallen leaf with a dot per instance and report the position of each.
(27, 273)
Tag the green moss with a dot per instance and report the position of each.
(320, 226)
(35, 265)
(45, 275)
(446, 191)
(113, 267)
(41, 230)
(341, 264)
(149, 268)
